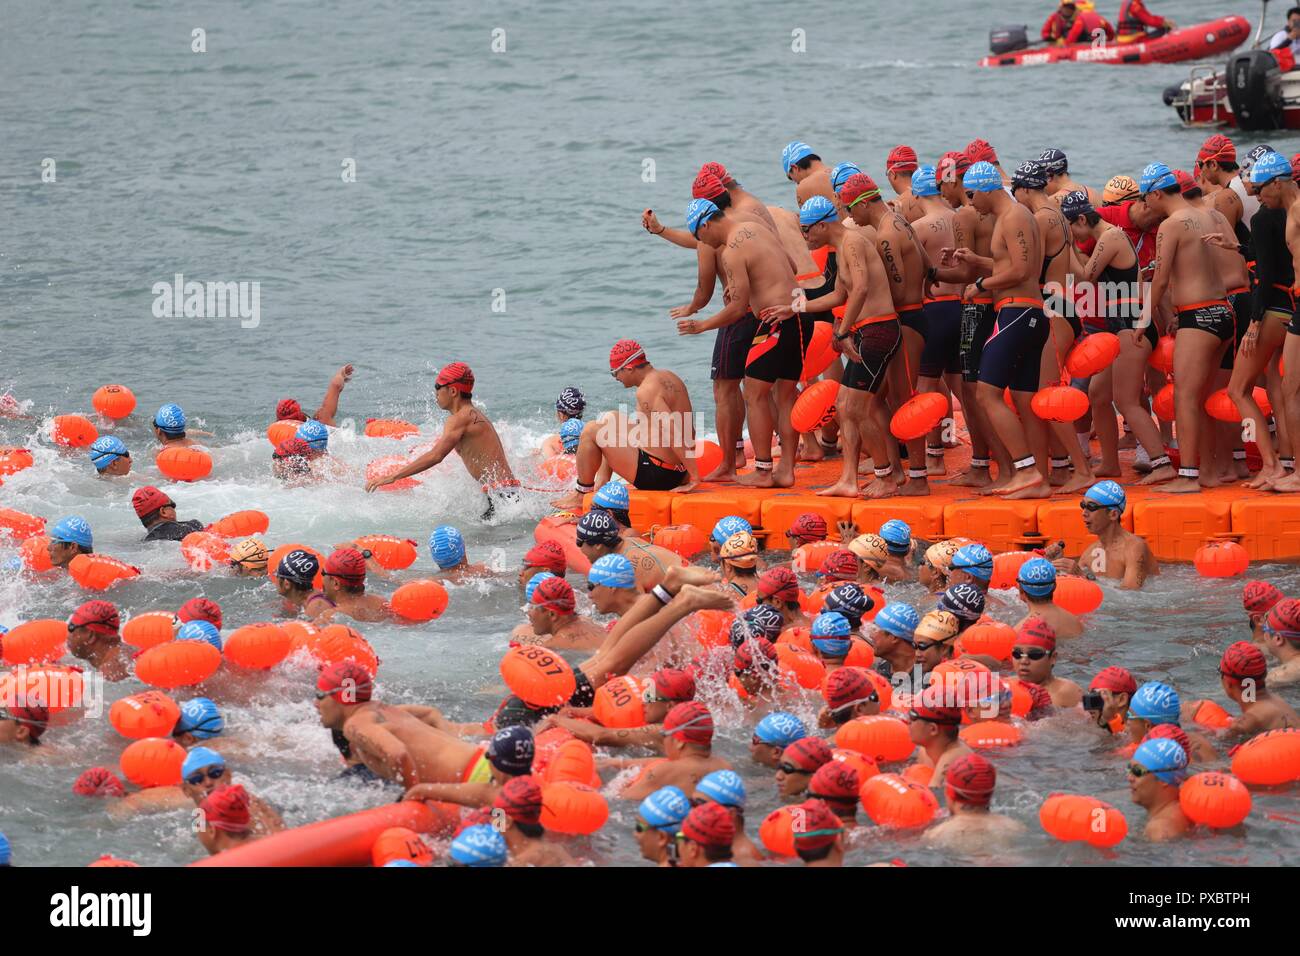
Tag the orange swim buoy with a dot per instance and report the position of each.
(153, 762)
(400, 843)
(820, 353)
(151, 714)
(951, 674)
(1072, 818)
(1269, 760)
(1221, 407)
(150, 629)
(98, 571)
(113, 401)
(57, 687)
(422, 600)
(1209, 714)
(918, 416)
(1077, 595)
(337, 643)
(1005, 568)
(561, 529)
(918, 773)
(36, 642)
(1162, 356)
(13, 460)
(19, 525)
(385, 466)
(273, 561)
(1022, 702)
(619, 703)
(708, 456)
(860, 654)
(865, 766)
(883, 739)
(562, 468)
(241, 524)
(683, 540)
(808, 558)
(1217, 800)
(892, 801)
(538, 676)
(1059, 403)
(990, 735)
(36, 554)
(389, 428)
(799, 637)
(806, 669)
(573, 808)
(815, 406)
(204, 550)
(73, 431)
(1092, 354)
(184, 464)
(992, 639)
(777, 831)
(177, 664)
(282, 430)
(389, 551)
(1162, 403)
(1221, 559)
(573, 762)
(257, 646)
(298, 632)
(711, 627)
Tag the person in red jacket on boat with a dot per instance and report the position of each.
(1060, 23)
(1137, 23)
(1086, 24)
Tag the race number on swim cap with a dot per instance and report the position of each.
(479, 845)
(897, 534)
(1037, 576)
(627, 353)
(1284, 620)
(1107, 493)
(816, 209)
(951, 167)
(1243, 660)
(571, 434)
(898, 619)
(1163, 757)
(288, 409)
(1119, 189)
(459, 376)
(665, 809)
(612, 571)
(980, 151)
(106, 450)
(1075, 204)
(982, 177)
(571, 401)
(793, 153)
(724, 787)
(511, 750)
(447, 546)
(707, 186)
(1053, 162)
(597, 527)
(73, 530)
(1156, 702)
(830, 624)
(1156, 176)
(766, 619)
(964, 600)
(315, 434)
(612, 495)
(727, 526)
(901, 159)
(298, 566)
(698, 213)
(856, 188)
(976, 560)
(1269, 167)
(841, 173)
(1218, 148)
(716, 169)
(170, 419)
(554, 594)
(780, 729)
(1031, 174)
(201, 718)
(925, 181)
(200, 631)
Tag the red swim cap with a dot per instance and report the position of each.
(858, 186)
(1284, 619)
(1257, 597)
(1174, 733)
(755, 650)
(226, 808)
(816, 827)
(951, 166)
(1035, 632)
(979, 150)
(836, 782)
(717, 169)
(1243, 661)
(289, 411)
(690, 723)
(100, 616)
(549, 556)
(34, 715)
(555, 594)
(458, 376)
(706, 186)
(932, 705)
(709, 824)
(779, 583)
(970, 779)
(840, 565)
(847, 686)
(901, 159)
(807, 754)
(521, 800)
(200, 609)
(149, 499)
(1217, 147)
(673, 685)
(1114, 679)
(347, 682)
(810, 524)
(346, 564)
(1186, 183)
(99, 782)
(626, 353)
(294, 448)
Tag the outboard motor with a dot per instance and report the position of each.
(1008, 39)
(1255, 90)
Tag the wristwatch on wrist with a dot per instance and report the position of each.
(841, 338)
(979, 283)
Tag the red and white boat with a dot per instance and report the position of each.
(1187, 43)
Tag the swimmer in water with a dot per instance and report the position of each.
(102, 783)
(971, 825)
(778, 588)
(757, 672)
(1282, 639)
(1243, 675)
(93, 637)
(848, 693)
(1155, 772)
(1116, 553)
(517, 815)
(807, 528)
(1036, 582)
(69, 537)
(1116, 687)
(688, 750)
(598, 534)
(291, 462)
(1258, 598)
(665, 689)
(109, 455)
(157, 513)
(295, 578)
(226, 820)
(739, 557)
(659, 817)
(205, 771)
(200, 609)
(569, 407)
(892, 635)
(727, 790)
(169, 427)
(830, 635)
(552, 614)
(25, 723)
(470, 434)
(932, 725)
(509, 756)
(200, 720)
(547, 556)
(799, 761)
(972, 566)
(1155, 703)
(344, 588)
(932, 639)
(289, 410)
(838, 784)
(1034, 656)
(447, 548)
(248, 558)
(818, 835)
(898, 541)
(611, 585)
(772, 735)
(706, 837)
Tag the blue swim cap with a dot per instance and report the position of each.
(1165, 758)
(201, 718)
(698, 213)
(535, 580)
(815, 210)
(73, 530)
(780, 729)
(899, 620)
(976, 560)
(314, 434)
(479, 845)
(964, 600)
(200, 631)
(613, 495)
(850, 601)
(612, 571)
(5, 854)
(570, 432)
(1156, 176)
(1155, 702)
(830, 624)
(794, 152)
(841, 173)
(3, 629)
(200, 758)
(766, 619)
(727, 526)
(571, 401)
(832, 646)
(106, 450)
(665, 809)
(897, 535)
(401, 862)
(1269, 167)
(446, 546)
(724, 787)
(1038, 577)
(925, 181)
(170, 420)
(982, 177)
(1108, 494)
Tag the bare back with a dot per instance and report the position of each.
(1194, 275)
(479, 446)
(755, 267)
(438, 757)
(900, 252)
(935, 232)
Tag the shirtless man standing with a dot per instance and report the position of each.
(758, 276)
(1116, 553)
(1186, 269)
(467, 432)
